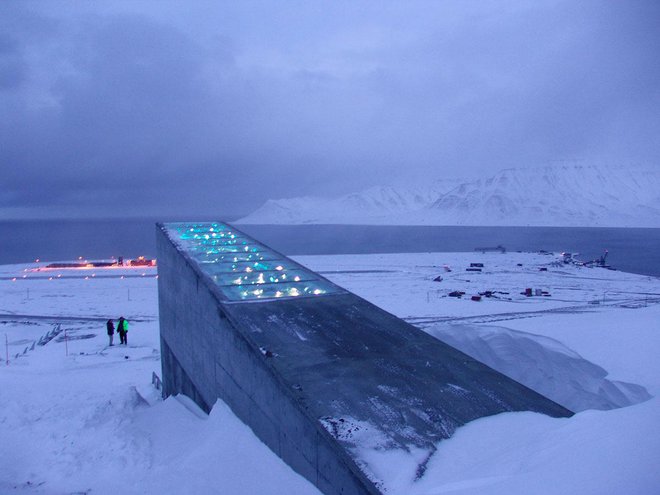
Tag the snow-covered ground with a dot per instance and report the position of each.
(77, 416)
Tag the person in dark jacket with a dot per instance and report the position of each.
(122, 330)
(111, 330)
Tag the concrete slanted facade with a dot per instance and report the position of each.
(313, 369)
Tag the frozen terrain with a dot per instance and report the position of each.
(552, 196)
(78, 416)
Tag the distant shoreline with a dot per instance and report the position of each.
(634, 250)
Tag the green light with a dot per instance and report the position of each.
(242, 268)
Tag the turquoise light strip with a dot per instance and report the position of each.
(244, 269)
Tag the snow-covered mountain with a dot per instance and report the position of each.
(547, 196)
(374, 205)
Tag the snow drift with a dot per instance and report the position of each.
(543, 364)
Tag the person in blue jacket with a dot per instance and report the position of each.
(111, 330)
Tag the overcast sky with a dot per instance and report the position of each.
(210, 108)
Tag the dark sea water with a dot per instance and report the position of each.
(633, 250)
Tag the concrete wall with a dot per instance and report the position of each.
(205, 357)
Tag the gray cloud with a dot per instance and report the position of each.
(114, 108)
(12, 64)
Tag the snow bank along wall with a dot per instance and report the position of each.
(314, 370)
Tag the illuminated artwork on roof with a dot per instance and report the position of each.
(243, 268)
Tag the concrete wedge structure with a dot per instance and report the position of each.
(317, 372)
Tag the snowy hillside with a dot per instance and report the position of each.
(375, 205)
(549, 196)
(79, 416)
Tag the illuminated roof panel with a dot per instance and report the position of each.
(244, 269)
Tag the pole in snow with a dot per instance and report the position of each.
(66, 343)
(6, 350)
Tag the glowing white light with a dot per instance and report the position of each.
(216, 245)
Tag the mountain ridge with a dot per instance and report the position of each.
(580, 196)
